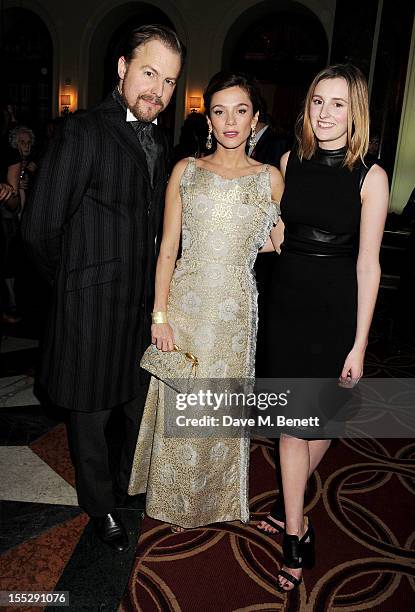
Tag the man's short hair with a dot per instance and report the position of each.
(144, 34)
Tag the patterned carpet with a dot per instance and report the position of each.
(361, 502)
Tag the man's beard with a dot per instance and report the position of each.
(150, 115)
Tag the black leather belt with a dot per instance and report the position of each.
(299, 230)
(296, 233)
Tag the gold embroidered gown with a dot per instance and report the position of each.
(212, 309)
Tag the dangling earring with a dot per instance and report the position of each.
(209, 140)
(252, 138)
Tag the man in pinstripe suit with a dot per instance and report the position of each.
(91, 227)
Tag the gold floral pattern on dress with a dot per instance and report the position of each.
(228, 309)
(189, 454)
(230, 476)
(191, 302)
(219, 452)
(168, 474)
(217, 242)
(203, 206)
(179, 503)
(212, 308)
(243, 211)
(239, 341)
(199, 483)
(204, 337)
(218, 369)
(214, 275)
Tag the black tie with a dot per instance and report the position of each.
(146, 136)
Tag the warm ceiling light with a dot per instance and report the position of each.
(195, 103)
(65, 100)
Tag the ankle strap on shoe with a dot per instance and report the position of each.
(292, 551)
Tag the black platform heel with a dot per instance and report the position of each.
(297, 553)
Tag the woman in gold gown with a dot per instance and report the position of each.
(225, 208)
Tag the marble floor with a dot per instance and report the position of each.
(46, 541)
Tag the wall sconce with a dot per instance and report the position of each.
(195, 102)
(65, 103)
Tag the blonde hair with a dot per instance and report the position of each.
(357, 115)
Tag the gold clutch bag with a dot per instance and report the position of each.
(176, 368)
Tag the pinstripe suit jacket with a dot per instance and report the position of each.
(91, 227)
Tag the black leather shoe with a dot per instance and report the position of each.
(111, 531)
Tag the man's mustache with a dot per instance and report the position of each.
(153, 100)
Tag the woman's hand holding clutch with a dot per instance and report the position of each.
(162, 336)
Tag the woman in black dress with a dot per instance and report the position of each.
(322, 299)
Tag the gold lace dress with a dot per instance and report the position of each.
(212, 309)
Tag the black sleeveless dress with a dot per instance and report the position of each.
(312, 305)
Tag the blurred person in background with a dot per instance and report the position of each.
(23, 139)
(193, 137)
(9, 219)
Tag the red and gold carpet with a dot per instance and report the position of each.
(361, 502)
